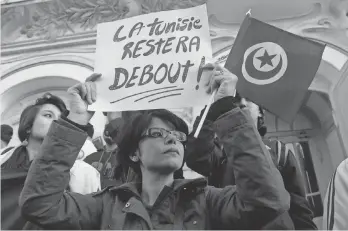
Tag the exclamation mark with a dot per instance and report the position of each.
(200, 71)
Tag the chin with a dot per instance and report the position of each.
(169, 168)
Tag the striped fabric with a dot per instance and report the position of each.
(336, 200)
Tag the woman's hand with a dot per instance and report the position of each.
(222, 79)
(82, 95)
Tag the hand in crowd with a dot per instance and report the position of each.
(82, 95)
(223, 80)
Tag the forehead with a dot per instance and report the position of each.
(50, 107)
(159, 123)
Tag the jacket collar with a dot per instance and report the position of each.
(135, 205)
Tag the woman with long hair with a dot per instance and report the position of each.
(153, 144)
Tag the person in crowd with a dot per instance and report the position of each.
(88, 147)
(336, 200)
(207, 156)
(34, 123)
(153, 144)
(105, 160)
(6, 135)
(83, 178)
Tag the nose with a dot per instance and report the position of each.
(170, 139)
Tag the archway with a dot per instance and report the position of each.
(23, 83)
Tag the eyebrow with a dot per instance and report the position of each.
(47, 110)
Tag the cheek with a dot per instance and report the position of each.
(149, 148)
(253, 112)
(181, 149)
(41, 126)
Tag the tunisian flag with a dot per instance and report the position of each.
(274, 67)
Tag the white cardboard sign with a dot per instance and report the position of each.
(153, 61)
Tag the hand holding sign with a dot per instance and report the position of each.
(82, 95)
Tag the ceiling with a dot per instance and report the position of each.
(233, 11)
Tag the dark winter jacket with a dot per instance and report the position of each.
(206, 156)
(259, 195)
(13, 174)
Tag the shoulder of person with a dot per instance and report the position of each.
(101, 192)
(342, 169)
(7, 154)
(93, 156)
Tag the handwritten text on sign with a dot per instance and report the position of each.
(153, 61)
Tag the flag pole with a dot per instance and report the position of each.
(211, 100)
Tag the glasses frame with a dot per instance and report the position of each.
(165, 134)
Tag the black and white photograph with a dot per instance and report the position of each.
(174, 115)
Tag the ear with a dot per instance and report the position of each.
(135, 156)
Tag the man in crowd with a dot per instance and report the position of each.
(105, 160)
(336, 200)
(206, 156)
(6, 135)
(88, 147)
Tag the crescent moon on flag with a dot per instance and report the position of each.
(259, 77)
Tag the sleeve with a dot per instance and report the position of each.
(202, 153)
(259, 195)
(43, 199)
(336, 200)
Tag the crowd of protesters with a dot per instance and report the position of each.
(57, 179)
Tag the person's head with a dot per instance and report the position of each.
(255, 110)
(112, 131)
(257, 114)
(6, 135)
(154, 141)
(36, 119)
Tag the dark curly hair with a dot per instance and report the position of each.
(134, 128)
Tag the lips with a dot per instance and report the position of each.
(171, 150)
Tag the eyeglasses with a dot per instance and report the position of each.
(163, 133)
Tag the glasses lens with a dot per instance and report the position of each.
(180, 136)
(156, 132)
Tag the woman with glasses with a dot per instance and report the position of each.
(153, 145)
(34, 123)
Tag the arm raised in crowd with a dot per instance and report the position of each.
(202, 154)
(259, 195)
(44, 200)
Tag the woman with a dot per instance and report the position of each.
(34, 123)
(153, 145)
